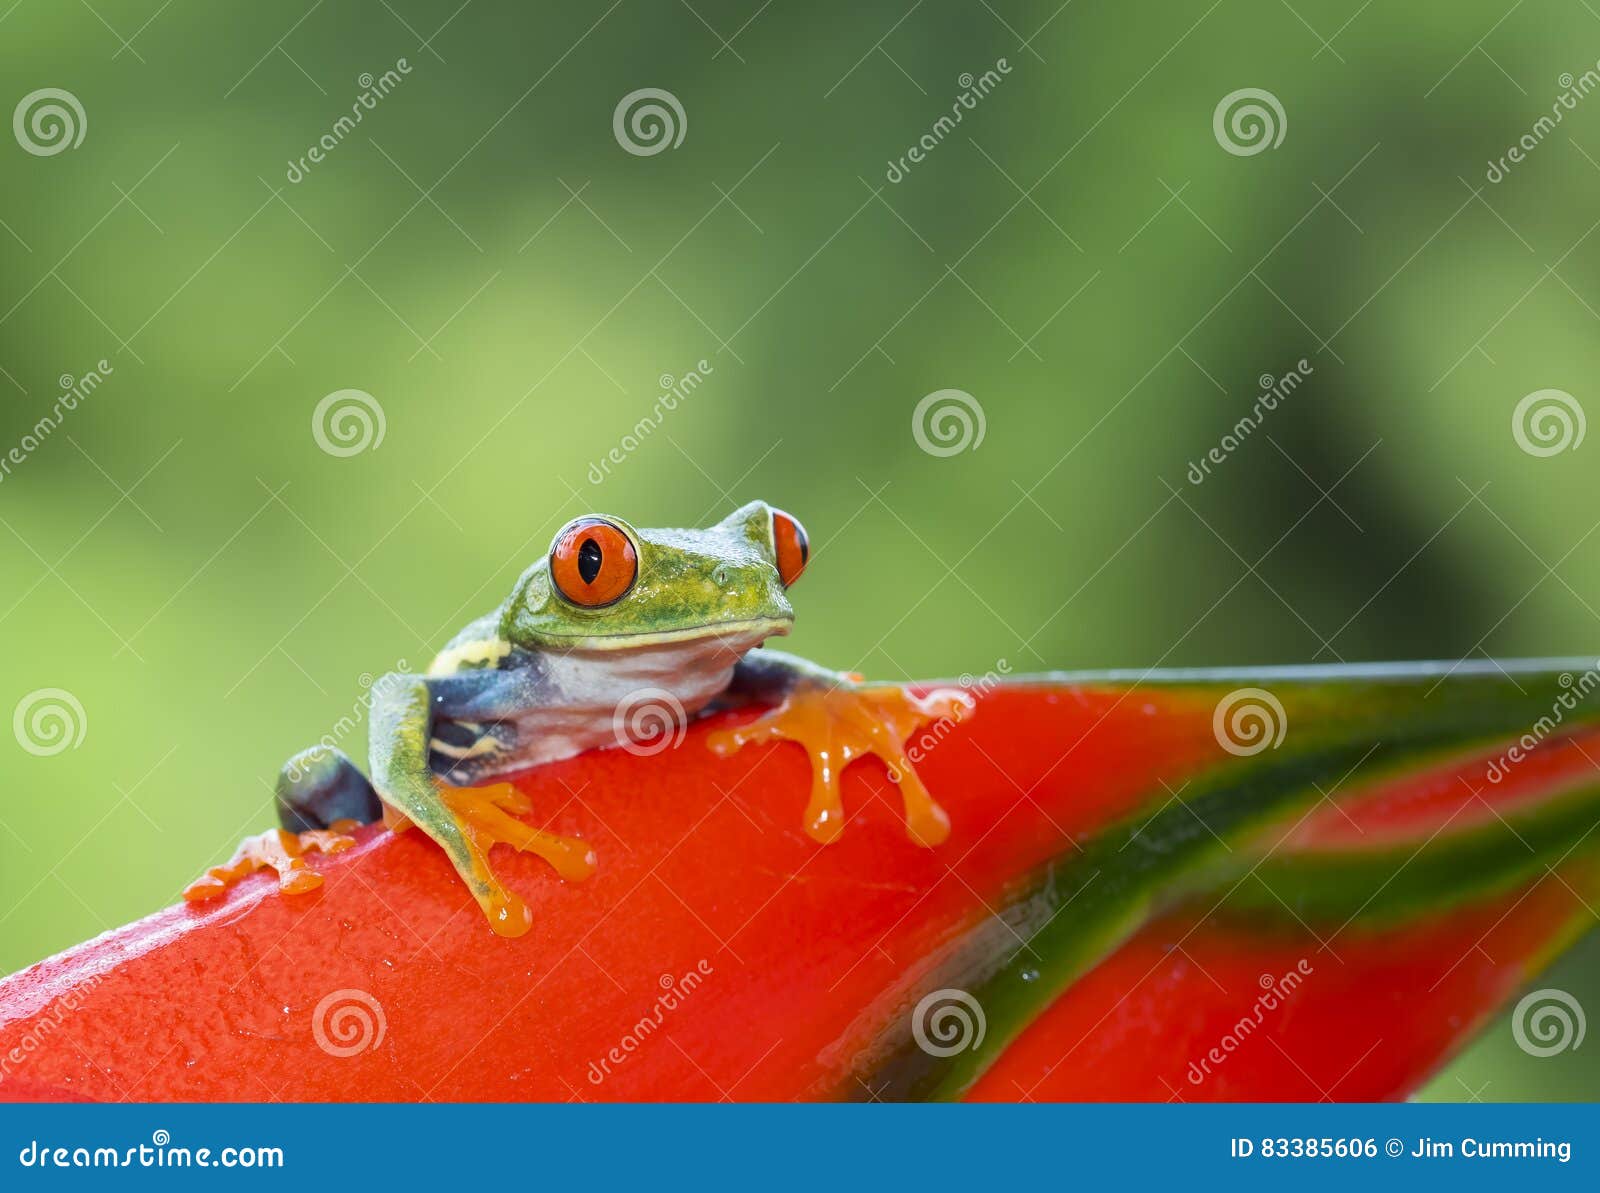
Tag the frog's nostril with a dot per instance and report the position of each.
(721, 575)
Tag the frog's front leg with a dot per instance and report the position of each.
(466, 821)
(837, 718)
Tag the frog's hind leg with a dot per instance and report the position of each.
(321, 797)
(320, 786)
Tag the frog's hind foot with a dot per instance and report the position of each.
(320, 786)
(278, 850)
(321, 799)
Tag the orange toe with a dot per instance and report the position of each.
(486, 817)
(279, 850)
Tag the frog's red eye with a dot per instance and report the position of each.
(789, 537)
(593, 563)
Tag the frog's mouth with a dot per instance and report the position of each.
(739, 635)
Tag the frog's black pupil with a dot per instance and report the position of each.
(589, 560)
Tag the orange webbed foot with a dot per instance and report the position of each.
(471, 821)
(487, 817)
(279, 850)
(837, 723)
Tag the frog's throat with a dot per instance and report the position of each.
(756, 630)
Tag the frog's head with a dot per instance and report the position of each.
(607, 585)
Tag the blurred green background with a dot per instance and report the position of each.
(482, 256)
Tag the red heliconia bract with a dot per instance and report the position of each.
(1253, 885)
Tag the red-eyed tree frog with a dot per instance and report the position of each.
(610, 612)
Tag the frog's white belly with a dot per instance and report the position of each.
(592, 698)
